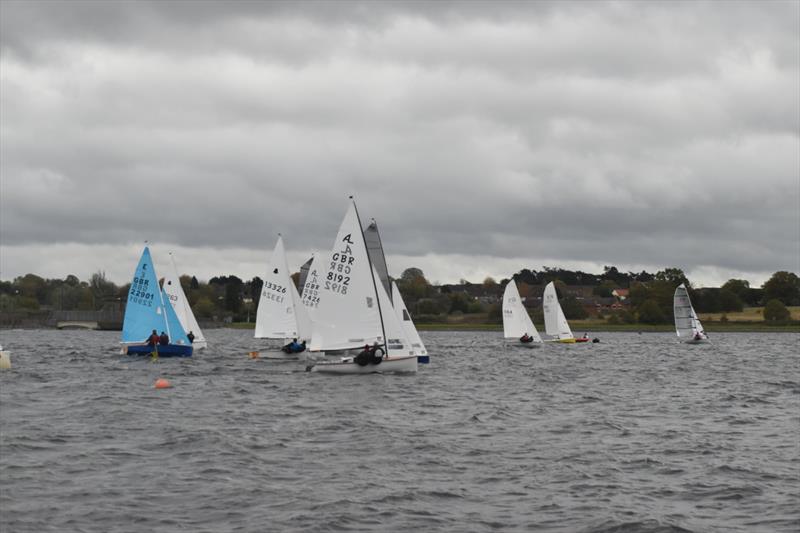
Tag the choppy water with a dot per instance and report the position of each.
(637, 433)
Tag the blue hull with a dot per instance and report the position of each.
(169, 350)
(423, 359)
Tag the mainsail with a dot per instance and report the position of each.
(348, 315)
(372, 238)
(516, 320)
(687, 325)
(174, 291)
(279, 314)
(555, 323)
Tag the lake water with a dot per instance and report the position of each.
(636, 433)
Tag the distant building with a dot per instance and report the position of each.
(621, 294)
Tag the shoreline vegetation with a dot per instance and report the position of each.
(748, 320)
(610, 301)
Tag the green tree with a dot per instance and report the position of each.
(495, 313)
(573, 310)
(204, 308)
(459, 302)
(650, 313)
(730, 301)
(783, 286)
(775, 311)
(737, 286)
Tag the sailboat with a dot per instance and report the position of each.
(372, 238)
(280, 315)
(517, 323)
(148, 310)
(412, 335)
(172, 287)
(687, 325)
(555, 323)
(354, 309)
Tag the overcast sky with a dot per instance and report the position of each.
(483, 137)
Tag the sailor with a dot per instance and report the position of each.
(525, 338)
(163, 340)
(190, 336)
(153, 339)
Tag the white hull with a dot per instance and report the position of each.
(199, 345)
(404, 364)
(5, 360)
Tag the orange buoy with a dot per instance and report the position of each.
(162, 383)
(253, 355)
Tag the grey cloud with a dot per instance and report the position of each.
(604, 132)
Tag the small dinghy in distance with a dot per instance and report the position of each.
(687, 325)
(351, 314)
(148, 309)
(518, 328)
(555, 323)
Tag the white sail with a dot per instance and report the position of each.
(412, 335)
(173, 289)
(279, 314)
(687, 325)
(516, 320)
(555, 323)
(347, 315)
(396, 340)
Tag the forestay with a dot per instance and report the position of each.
(348, 315)
(412, 335)
(174, 291)
(279, 314)
(555, 323)
(146, 309)
(516, 320)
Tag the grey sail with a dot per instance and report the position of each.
(304, 274)
(375, 250)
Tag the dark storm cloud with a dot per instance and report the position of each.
(611, 133)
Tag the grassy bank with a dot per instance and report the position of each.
(753, 327)
(581, 326)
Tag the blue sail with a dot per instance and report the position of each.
(143, 312)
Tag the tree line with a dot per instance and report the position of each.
(230, 297)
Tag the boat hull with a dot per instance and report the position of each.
(402, 364)
(168, 350)
(423, 359)
(695, 341)
(562, 341)
(526, 345)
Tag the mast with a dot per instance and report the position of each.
(372, 274)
